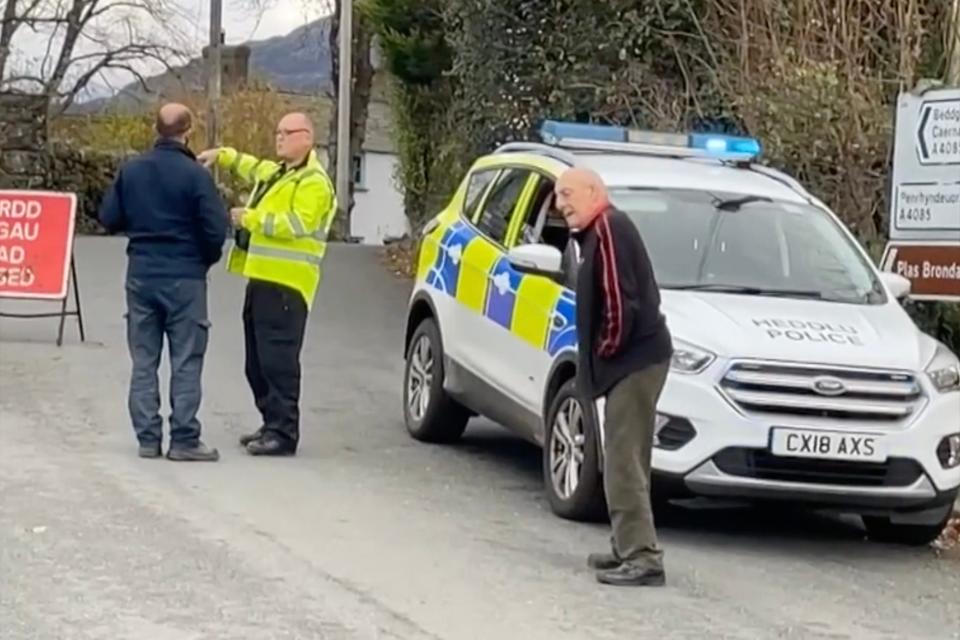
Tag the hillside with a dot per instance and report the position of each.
(297, 62)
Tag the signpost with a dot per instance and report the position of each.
(938, 134)
(36, 251)
(925, 197)
(933, 268)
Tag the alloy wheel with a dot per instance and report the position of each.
(567, 448)
(420, 379)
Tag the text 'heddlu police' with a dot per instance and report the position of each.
(810, 331)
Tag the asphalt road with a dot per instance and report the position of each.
(367, 534)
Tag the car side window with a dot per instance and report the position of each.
(494, 218)
(535, 215)
(476, 186)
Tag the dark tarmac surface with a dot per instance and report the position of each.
(367, 533)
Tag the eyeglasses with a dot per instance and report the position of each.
(286, 133)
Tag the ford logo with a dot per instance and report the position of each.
(828, 386)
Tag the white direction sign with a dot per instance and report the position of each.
(925, 195)
(938, 133)
(927, 207)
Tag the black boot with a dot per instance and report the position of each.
(627, 575)
(272, 445)
(199, 453)
(247, 438)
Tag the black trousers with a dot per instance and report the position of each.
(274, 321)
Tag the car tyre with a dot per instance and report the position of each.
(881, 529)
(429, 413)
(571, 469)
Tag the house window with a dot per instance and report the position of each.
(359, 172)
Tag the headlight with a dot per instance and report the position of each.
(944, 370)
(690, 359)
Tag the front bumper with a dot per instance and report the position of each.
(725, 453)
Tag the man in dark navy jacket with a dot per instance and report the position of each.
(168, 206)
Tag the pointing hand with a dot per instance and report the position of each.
(208, 157)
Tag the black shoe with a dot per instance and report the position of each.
(247, 438)
(150, 451)
(631, 576)
(199, 453)
(603, 561)
(271, 445)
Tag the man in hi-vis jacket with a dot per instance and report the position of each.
(281, 239)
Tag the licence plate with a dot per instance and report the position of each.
(827, 445)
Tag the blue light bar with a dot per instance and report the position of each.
(722, 144)
(568, 134)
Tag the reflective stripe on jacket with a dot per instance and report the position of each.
(288, 223)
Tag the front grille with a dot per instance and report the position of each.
(822, 392)
(763, 465)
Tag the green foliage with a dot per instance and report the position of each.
(518, 61)
(412, 38)
(414, 46)
(828, 130)
(942, 321)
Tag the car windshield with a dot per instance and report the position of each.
(736, 243)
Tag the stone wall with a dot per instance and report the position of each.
(31, 160)
(28, 160)
(86, 173)
(24, 160)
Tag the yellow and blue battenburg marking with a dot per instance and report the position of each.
(469, 268)
(444, 274)
(564, 336)
(502, 296)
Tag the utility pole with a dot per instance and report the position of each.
(214, 70)
(952, 76)
(345, 88)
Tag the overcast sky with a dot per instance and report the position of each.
(242, 24)
(243, 20)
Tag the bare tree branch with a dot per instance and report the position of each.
(9, 27)
(85, 38)
(113, 60)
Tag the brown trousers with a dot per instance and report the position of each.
(629, 417)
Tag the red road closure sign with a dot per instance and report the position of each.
(932, 268)
(36, 240)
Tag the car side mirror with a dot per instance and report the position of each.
(898, 285)
(539, 259)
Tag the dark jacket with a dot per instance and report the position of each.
(620, 328)
(167, 204)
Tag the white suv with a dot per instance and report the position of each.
(797, 375)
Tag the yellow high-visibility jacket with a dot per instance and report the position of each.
(289, 223)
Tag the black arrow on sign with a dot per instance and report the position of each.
(924, 152)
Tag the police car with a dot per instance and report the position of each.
(797, 375)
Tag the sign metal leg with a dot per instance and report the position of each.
(63, 313)
(76, 298)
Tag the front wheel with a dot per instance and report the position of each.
(571, 469)
(430, 414)
(882, 529)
